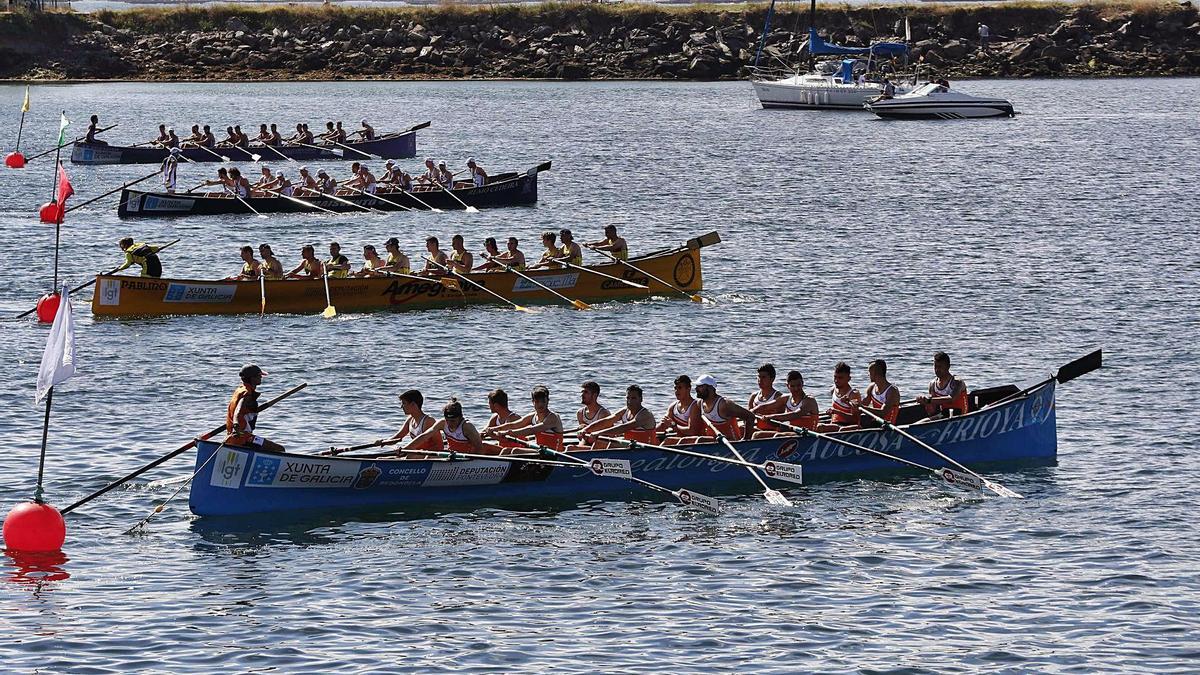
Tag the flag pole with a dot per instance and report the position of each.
(54, 198)
(24, 109)
(37, 493)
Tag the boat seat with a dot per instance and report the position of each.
(981, 397)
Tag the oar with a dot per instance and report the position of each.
(621, 468)
(281, 155)
(470, 209)
(364, 154)
(948, 475)
(382, 442)
(59, 147)
(773, 496)
(178, 451)
(1080, 366)
(187, 481)
(602, 274)
(348, 202)
(422, 202)
(262, 287)
(577, 304)
(792, 473)
(480, 286)
(223, 158)
(375, 196)
(300, 201)
(246, 204)
(335, 151)
(693, 296)
(116, 189)
(449, 283)
(92, 281)
(329, 312)
(994, 487)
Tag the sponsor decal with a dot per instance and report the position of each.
(366, 477)
(961, 479)
(228, 469)
(556, 281)
(400, 292)
(628, 275)
(137, 284)
(282, 472)
(781, 471)
(612, 467)
(110, 291)
(153, 203)
(466, 473)
(217, 293)
(787, 448)
(685, 271)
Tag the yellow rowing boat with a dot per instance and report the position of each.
(124, 296)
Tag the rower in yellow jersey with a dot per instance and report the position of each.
(338, 265)
(612, 243)
(141, 254)
(461, 259)
(251, 268)
(311, 267)
(569, 250)
(396, 261)
(272, 269)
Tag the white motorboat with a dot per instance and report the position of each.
(831, 86)
(935, 101)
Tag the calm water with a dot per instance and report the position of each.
(1015, 245)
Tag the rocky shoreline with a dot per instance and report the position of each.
(583, 41)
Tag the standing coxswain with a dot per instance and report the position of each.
(141, 254)
(242, 414)
(170, 170)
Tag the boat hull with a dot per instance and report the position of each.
(509, 189)
(395, 146)
(896, 109)
(127, 296)
(806, 96)
(234, 481)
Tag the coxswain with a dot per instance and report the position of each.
(721, 412)
(436, 263)
(239, 184)
(325, 184)
(947, 394)
(193, 141)
(550, 253)
(490, 251)
(461, 259)
(371, 262)
(307, 185)
(264, 136)
(844, 401)
(230, 139)
(683, 417)
(444, 177)
(275, 139)
(338, 265)
(543, 423)
(455, 432)
(478, 175)
(881, 396)
(416, 423)
(242, 415)
(767, 393)
(141, 254)
(251, 268)
(170, 170)
(396, 261)
(172, 139)
(309, 268)
(163, 138)
(223, 180)
(92, 130)
(634, 422)
(613, 244)
(367, 132)
(271, 268)
(797, 409)
(590, 409)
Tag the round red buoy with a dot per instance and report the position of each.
(34, 527)
(47, 307)
(14, 160)
(50, 212)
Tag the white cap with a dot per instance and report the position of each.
(707, 379)
(429, 160)
(390, 162)
(304, 168)
(470, 160)
(441, 164)
(321, 172)
(364, 120)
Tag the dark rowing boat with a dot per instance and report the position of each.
(398, 145)
(506, 189)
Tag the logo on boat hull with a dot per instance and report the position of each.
(685, 271)
(367, 477)
(787, 448)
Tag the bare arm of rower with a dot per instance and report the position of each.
(730, 409)
(511, 426)
(770, 407)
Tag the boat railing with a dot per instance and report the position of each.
(770, 73)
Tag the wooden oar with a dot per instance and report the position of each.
(622, 469)
(469, 209)
(577, 304)
(299, 201)
(773, 496)
(888, 426)
(329, 312)
(223, 158)
(480, 286)
(178, 451)
(283, 156)
(336, 152)
(92, 281)
(792, 473)
(602, 274)
(422, 202)
(694, 297)
(364, 154)
(262, 287)
(116, 189)
(375, 196)
(1080, 366)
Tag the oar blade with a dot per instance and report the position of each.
(472, 209)
(960, 479)
(791, 473)
(776, 497)
(579, 304)
(329, 312)
(696, 298)
(521, 308)
(451, 284)
(1001, 490)
(1080, 366)
(700, 502)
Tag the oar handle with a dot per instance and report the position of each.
(116, 189)
(57, 147)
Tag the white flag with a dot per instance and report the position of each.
(58, 361)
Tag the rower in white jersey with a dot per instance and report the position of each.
(882, 397)
(455, 433)
(501, 414)
(683, 417)
(721, 412)
(767, 393)
(633, 422)
(478, 175)
(415, 424)
(543, 423)
(590, 409)
(947, 394)
(797, 409)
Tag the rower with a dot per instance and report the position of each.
(354, 181)
(372, 262)
(550, 252)
(339, 134)
(461, 259)
(455, 432)
(271, 268)
(207, 139)
(193, 141)
(239, 184)
(329, 132)
(404, 181)
(723, 413)
(490, 251)
(223, 180)
(682, 419)
(230, 139)
(844, 401)
(263, 136)
(242, 414)
(92, 130)
(307, 184)
(436, 256)
(478, 175)
(444, 177)
(283, 185)
(501, 414)
(242, 140)
(251, 268)
(396, 260)
(430, 177)
(311, 267)
(543, 423)
(266, 182)
(162, 136)
(367, 132)
(291, 140)
(172, 139)
(170, 170)
(947, 394)
(590, 410)
(612, 243)
(325, 184)
(275, 139)
(306, 136)
(797, 409)
(391, 173)
(512, 256)
(881, 396)
(634, 422)
(338, 265)
(416, 423)
(366, 180)
(766, 394)
(141, 254)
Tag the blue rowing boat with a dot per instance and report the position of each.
(1017, 428)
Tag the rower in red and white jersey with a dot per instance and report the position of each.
(767, 393)
(416, 423)
(797, 409)
(590, 409)
(501, 414)
(947, 394)
(683, 416)
(844, 401)
(478, 175)
(721, 412)
(882, 396)
(634, 422)
(454, 432)
(543, 423)
(306, 184)
(239, 185)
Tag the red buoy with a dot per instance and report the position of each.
(33, 527)
(50, 212)
(14, 160)
(47, 307)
